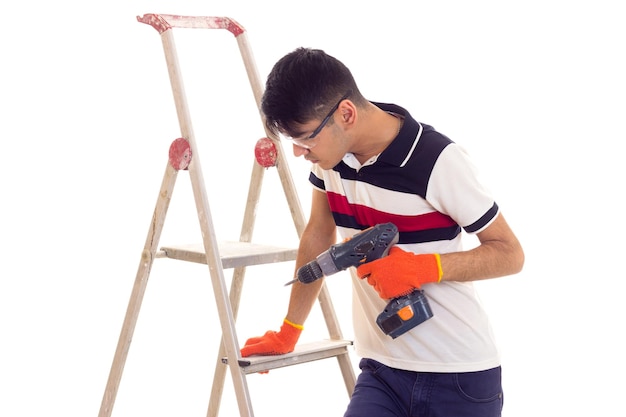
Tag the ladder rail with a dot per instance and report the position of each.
(291, 194)
(139, 289)
(236, 287)
(286, 178)
(227, 319)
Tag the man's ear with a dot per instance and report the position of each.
(348, 112)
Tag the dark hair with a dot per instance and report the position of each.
(302, 86)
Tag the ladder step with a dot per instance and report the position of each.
(306, 352)
(233, 254)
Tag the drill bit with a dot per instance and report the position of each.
(291, 282)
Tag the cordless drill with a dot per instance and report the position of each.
(400, 314)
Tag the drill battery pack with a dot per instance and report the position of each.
(404, 313)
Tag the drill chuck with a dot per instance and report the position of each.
(309, 272)
(322, 266)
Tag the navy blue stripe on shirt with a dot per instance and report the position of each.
(486, 218)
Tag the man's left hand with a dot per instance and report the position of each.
(400, 272)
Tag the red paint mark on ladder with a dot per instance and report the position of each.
(180, 154)
(265, 152)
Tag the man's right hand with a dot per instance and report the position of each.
(274, 343)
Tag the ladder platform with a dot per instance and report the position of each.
(233, 254)
(306, 352)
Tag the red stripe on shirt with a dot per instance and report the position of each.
(368, 216)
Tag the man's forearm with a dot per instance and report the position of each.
(303, 296)
(499, 254)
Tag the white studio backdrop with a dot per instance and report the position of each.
(534, 91)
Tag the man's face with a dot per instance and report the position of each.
(326, 133)
(326, 149)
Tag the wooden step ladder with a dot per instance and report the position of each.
(183, 155)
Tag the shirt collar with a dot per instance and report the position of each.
(402, 147)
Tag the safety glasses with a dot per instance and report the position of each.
(308, 142)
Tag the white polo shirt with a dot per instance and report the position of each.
(426, 185)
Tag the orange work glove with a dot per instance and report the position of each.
(400, 272)
(274, 343)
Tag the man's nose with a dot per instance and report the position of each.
(299, 150)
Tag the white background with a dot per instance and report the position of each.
(534, 90)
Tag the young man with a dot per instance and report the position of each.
(374, 163)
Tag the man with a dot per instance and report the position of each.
(374, 163)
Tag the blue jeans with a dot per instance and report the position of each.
(381, 391)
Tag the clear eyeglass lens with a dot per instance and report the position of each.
(306, 143)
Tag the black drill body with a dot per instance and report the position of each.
(401, 314)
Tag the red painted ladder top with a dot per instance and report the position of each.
(164, 22)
